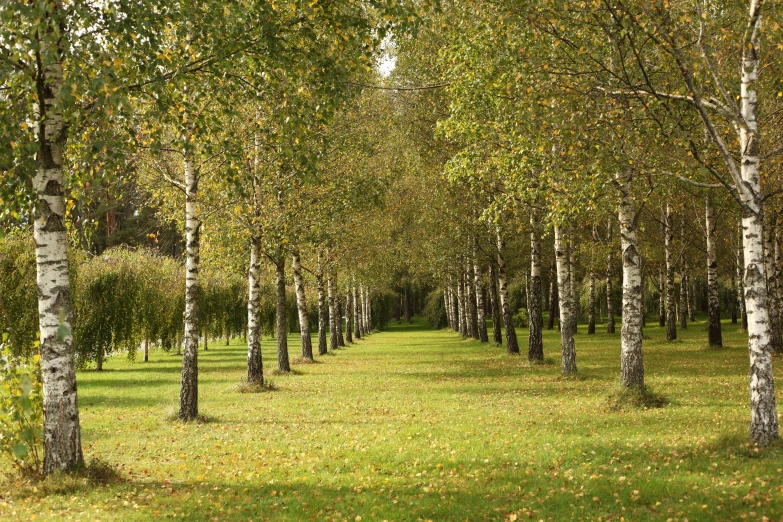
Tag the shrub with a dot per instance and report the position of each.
(21, 410)
(521, 318)
(18, 293)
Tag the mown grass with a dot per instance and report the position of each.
(415, 424)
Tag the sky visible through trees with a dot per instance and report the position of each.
(548, 181)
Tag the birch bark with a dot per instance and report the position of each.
(348, 315)
(188, 397)
(333, 341)
(512, 347)
(368, 309)
(255, 368)
(356, 330)
(301, 306)
(671, 310)
(339, 303)
(319, 280)
(497, 334)
(283, 363)
(562, 262)
(535, 343)
(62, 429)
(479, 285)
(713, 305)
(463, 327)
(631, 356)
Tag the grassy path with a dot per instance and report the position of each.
(416, 424)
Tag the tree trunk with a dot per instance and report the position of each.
(99, 359)
(535, 343)
(61, 427)
(333, 339)
(319, 279)
(497, 334)
(340, 308)
(554, 298)
(447, 304)
(463, 326)
(591, 305)
(631, 356)
(368, 309)
(471, 299)
(512, 347)
(146, 346)
(363, 310)
(713, 305)
(188, 397)
(348, 315)
(206, 339)
(591, 295)
(763, 410)
(356, 309)
(671, 304)
(301, 306)
(683, 308)
(255, 367)
(609, 280)
(661, 298)
(562, 262)
(283, 364)
(684, 295)
(479, 284)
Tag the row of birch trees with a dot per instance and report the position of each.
(629, 151)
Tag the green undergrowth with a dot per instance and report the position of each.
(417, 424)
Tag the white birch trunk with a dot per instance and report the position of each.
(631, 355)
(301, 306)
(356, 326)
(330, 291)
(62, 429)
(368, 310)
(348, 314)
(562, 260)
(188, 398)
(713, 305)
(512, 346)
(322, 310)
(535, 343)
(463, 327)
(763, 409)
(255, 368)
(668, 241)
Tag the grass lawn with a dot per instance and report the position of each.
(416, 424)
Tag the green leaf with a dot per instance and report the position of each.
(21, 450)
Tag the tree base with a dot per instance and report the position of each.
(635, 398)
(267, 386)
